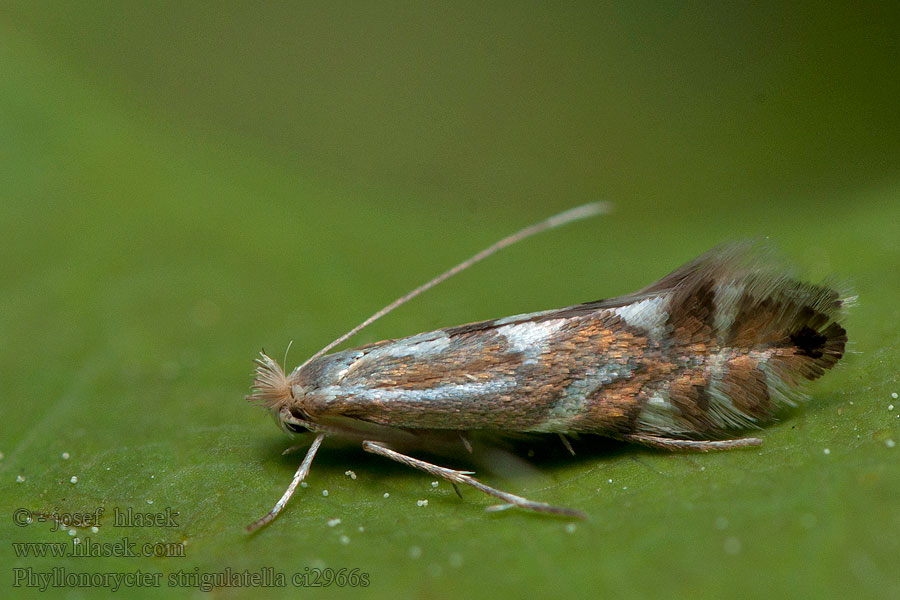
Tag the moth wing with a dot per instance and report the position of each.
(768, 332)
(762, 331)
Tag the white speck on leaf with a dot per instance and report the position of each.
(732, 545)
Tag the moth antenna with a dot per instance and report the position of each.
(286, 350)
(573, 214)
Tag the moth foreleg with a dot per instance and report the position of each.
(455, 477)
(697, 445)
(300, 475)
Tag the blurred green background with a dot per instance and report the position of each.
(184, 183)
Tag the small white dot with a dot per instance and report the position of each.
(303, 484)
(360, 529)
(149, 501)
(153, 477)
(345, 540)
(324, 492)
(333, 522)
(624, 487)
(570, 528)
(386, 495)
(65, 455)
(72, 532)
(435, 483)
(422, 502)
(890, 407)
(107, 468)
(894, 395)
(890, 443)
(350, 474)
(609, 481)
(415, 552)
(95, 529)
(74, 479)
(827, 451)
(20, 478)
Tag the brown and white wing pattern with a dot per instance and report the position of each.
(718, 344)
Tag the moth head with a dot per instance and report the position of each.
(271, 387)
(281, 394)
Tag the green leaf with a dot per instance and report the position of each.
(180, 189)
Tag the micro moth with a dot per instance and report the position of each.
(717, 346)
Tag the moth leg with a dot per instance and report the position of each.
(697, 445)
(567, 443)
(455, 477)
(292, 449)
(300, 475)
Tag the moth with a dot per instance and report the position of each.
(717, 346)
